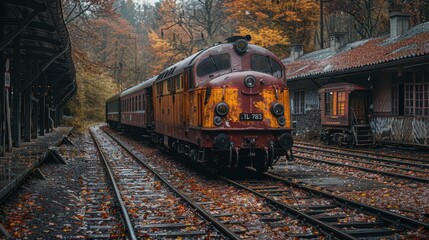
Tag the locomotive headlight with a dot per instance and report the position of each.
(240, 46)
(281, 120)
(286, 141)
(222, 109)
(277, 109)
(250, 81)
(217, 120)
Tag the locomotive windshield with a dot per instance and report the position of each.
(214, 63)
(265, 64)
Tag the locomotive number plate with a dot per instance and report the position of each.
(251, 116)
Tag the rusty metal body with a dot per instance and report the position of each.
(226, 105)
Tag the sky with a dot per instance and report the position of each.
(148, 1)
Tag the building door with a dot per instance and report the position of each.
(358, 107)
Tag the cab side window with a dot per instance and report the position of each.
(213, 64)
(265, 64)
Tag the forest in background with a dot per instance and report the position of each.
(117, 44)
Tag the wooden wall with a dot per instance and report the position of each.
(401, 129)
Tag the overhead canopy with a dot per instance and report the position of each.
(34, 33)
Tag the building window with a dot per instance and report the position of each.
(410, 94)
(395, 100)
(408, 99)
(422, 99)
(335, 103)
(298, 102)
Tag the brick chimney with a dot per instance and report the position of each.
(337, 41)
(399, 23)
(296, 51)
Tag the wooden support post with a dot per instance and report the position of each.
(38, 174)
(54, 156)
(34, 116)
(7, 121)
(16, 100)
(2, 99)
(42, 103)
(27, 100)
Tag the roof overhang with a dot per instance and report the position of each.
(36, 30)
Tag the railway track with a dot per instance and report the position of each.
(142, 193)
(417, 171)
(335, 216)
(329, 216)
(102, 221)
(240, 211)
(419, 156)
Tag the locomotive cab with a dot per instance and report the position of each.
(345, 115)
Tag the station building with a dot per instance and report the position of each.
(393, 69)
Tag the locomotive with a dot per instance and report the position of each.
(226, 106)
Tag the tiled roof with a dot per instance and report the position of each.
(415, 42)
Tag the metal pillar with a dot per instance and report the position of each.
(27, 99)
(16, 96)
(2, 97)
(42, 104)
(34, 116)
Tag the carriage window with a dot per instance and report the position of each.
(213, 64)
(335, 103)
(266, 64)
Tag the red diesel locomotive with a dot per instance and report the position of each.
(224, 106)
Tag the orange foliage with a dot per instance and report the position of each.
(274, 23)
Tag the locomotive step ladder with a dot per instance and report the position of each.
(363, 135)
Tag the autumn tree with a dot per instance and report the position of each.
(367, 17)
(418, 9)
(86, 9)
(210, 17)
(275, 24)
(94, 89)
(94, 81)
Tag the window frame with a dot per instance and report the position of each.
(335, 103)
(211, 59)
(299, 102)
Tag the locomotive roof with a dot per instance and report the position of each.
(138, 87)
(180, 66)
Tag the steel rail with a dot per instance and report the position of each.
(380, 163)
(125, 217)
(220, 226)
(313, 221)
(384, 214)
(366, 157)
(307, 145)
(396, 175)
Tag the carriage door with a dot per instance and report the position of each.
(358, 107)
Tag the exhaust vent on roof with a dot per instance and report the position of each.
(399, 23)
